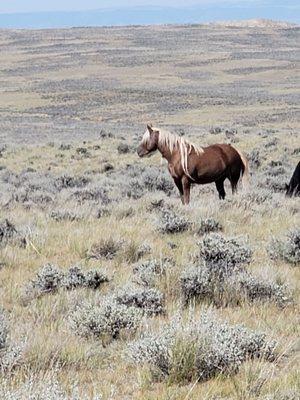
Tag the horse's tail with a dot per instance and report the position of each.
(245, 171)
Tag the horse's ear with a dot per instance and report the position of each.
(149, 127)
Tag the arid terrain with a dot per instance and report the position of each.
(109, 287)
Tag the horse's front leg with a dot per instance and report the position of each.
(178, 183)
(186, 185)
(177, 180)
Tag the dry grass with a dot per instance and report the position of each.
(134, 91)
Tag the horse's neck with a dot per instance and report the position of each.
(180, 151)
(166, 153)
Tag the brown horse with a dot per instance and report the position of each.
(190, 164)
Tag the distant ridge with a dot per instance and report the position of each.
(159, 15)
(256, 23)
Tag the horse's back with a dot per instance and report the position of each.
(223, 150)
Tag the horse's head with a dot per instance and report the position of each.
(149, 142)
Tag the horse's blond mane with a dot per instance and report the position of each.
(172, 142)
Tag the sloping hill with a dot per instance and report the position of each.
(257, 23)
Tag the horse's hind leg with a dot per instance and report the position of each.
(220, 189)
(234, 178)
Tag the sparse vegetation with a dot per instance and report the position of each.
(41, 389)
(50, 278)
(65, 215)
(106, 248)
(10, 235)
(200, 348)
(287, 249)
(220, 275)
(148, 272)
(224, 253)
(104, 317)
(10, 354)
(150, 300)
(224, 287)
(119, 251)
(257, 288)
(123, 148)
(209, 225)
(171, 222)
(47, 280)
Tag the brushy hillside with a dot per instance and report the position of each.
(109, 287)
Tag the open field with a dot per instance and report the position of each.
(73, 106)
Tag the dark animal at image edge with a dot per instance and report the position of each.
(293, 188)
(189, 164)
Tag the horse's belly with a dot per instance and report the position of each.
(210, 167)
(208, 177)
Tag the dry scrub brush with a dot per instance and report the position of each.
(50, 278)
(219, 275)
(287, 248)
(199, 348)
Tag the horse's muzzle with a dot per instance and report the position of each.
(140, 151)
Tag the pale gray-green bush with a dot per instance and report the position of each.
(105, 248)
(149, 271)
(226, 287)
(47, 280)
(150, 300)
(104, 317)
(253, 288)
(103, 212)
(155, 179)
(93, 193)
(209, 225)
(9, 234)
(3, 331)
(10, 353)
(67, 181)
(199, 348)
(133, 251)
(232, 252)
(287, 249)
(135, 189)
(50, 278)
(283, 395)
(75, 277)
(41, 389)
(65, 215)
(169, 221)
(123, 148)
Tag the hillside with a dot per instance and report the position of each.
(256, 23)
